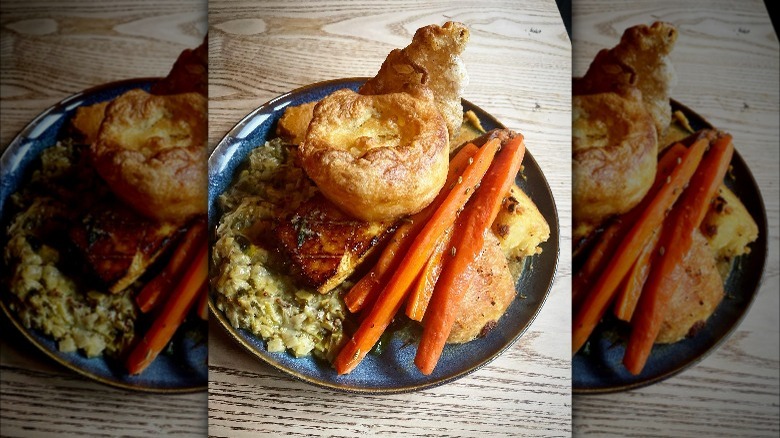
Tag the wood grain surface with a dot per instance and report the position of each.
(726, 59)
(518, 60)
(49, 51)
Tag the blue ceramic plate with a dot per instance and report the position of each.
(393, 370)
(598, 367)
(185, 367)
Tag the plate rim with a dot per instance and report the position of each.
(233, 332)
(9, 152)
(692, 362)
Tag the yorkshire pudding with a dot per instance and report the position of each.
(640, 60)
(432, 64)
(151, 150)
(614, 147)
(376, 157)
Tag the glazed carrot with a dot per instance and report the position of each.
(424, 285)
(390, 300)
(676, 240)
(157, 288)
(631, 288)
(365, 291)
(595, 261)
(612, 236)
(467, 241)
(367, 288)
(203, 302)
(176, 307)
(600, 296)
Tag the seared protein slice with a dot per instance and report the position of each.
(118, 243)
(324, 245)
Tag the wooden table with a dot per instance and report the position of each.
(51, 50)
(519, 63)
(726, 58)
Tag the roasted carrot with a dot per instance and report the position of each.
(611, 237)
(467, 241)
(631, 288)
(365, 291)
(601, 295)
(157, 288)
(676, 240)
(422, 290)
(176, 307)
(203, 302)
(367, 288)
(595, 261)
(392, 297)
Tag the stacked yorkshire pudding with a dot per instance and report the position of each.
(150, 146)
(383, 153)
(377, 157)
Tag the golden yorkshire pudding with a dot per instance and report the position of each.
(614, 148)
(641, 59)
(376, 157)
(431, 64)
(151, 150)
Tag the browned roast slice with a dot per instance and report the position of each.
(324, 245)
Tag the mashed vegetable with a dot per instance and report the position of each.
(44, 295)
(253, 289)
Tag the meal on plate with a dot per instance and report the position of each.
(105, 248)
(378, 205)
(655, 229)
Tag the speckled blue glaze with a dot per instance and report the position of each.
(601, 369)
(393, 370)
(186, 369)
